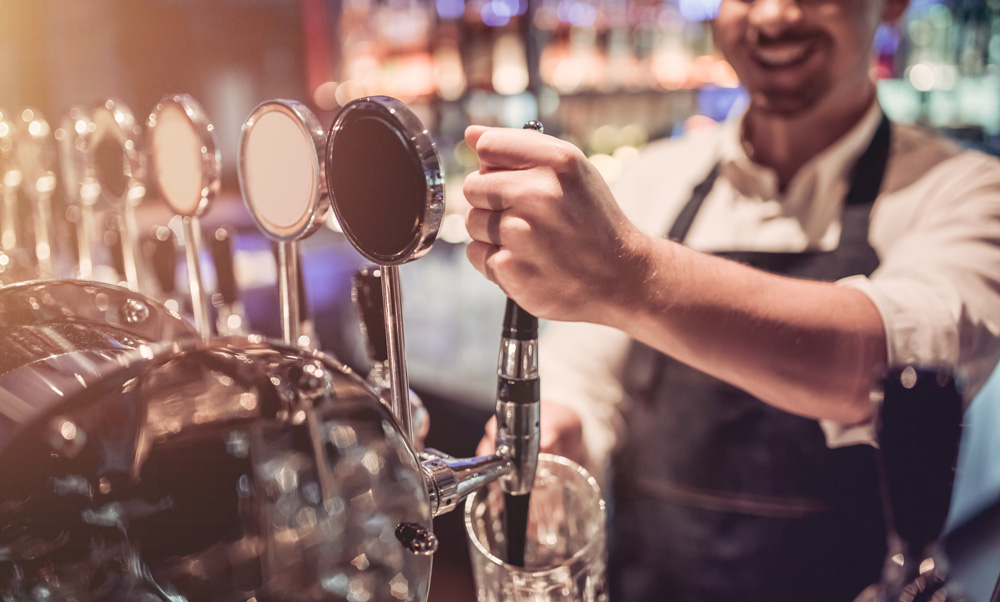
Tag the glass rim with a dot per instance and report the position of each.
(584, 551)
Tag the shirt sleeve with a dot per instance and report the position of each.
(937, 288)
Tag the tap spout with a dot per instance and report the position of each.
(449, 480)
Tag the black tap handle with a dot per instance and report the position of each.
(164, 253)
(366, 294)
(918, 432)
(304, 313)
(113, 240)
(221, 247)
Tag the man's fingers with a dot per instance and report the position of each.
(510, 148)
(482, 257)
(487, 445)
(484, 225)
(498, 190)
(473, 133)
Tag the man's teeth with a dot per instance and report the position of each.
(781, 55)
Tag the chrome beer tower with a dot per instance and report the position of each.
(319, 475)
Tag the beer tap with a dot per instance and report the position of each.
(366, 295)
(518, 414)
(163, 251)
(186, 165)
(120, 174)
(291, 264)
(284, 190)
(79, 184)
(231, 317)
(283, 186)
(387, 190)
(919, 427)
(13, 260)
(36, 158)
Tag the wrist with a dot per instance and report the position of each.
(636, 288)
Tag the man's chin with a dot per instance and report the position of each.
(782, 104)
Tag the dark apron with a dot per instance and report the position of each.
(720, 497)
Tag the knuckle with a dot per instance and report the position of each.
(487, 140)
(566, 158)
(513, 229)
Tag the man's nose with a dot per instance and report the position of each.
(772, 17)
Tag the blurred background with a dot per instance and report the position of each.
(608, 75)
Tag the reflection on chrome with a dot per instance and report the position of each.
(188, 470)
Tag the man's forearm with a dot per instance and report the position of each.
(810, 348)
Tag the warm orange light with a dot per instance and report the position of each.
(325, 96)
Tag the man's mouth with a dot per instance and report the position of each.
(782, 54)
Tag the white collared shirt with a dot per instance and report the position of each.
(935, 227)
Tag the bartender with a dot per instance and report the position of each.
(720, 318)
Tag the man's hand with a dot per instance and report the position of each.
(562, 434)
(546, 228)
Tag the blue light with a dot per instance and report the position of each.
(698, 10)
(496, 13)
(582, 14)
(718, 103)
(450, 9)
(562, 11)
(886, 40)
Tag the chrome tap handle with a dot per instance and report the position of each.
(518, 411)
(518, 408)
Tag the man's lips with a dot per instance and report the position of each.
(783, 53)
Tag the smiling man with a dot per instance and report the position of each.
(720, 318)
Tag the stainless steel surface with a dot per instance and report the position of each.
(228, 470)
(368, 196)
(288, 285)
(519, 440)
(119, 171)
(10, 183)
(399, 384)
(284, 188)
(199, 300)
(289, 129)
(518, 434)
(398, 116)
(451, 480)
(518, 359)
(35, 154)
(170, 160)
(185, 162)
(417, 538)
(78, 183)
(367, 296)
(41, 320)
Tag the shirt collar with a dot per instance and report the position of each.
(833, 163)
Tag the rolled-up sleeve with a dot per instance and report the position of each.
(937, 288)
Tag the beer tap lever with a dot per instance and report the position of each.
(368, 299)
(919, 427)
(164, 254)
(231, 319)
(518, 410)
(366, 295)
